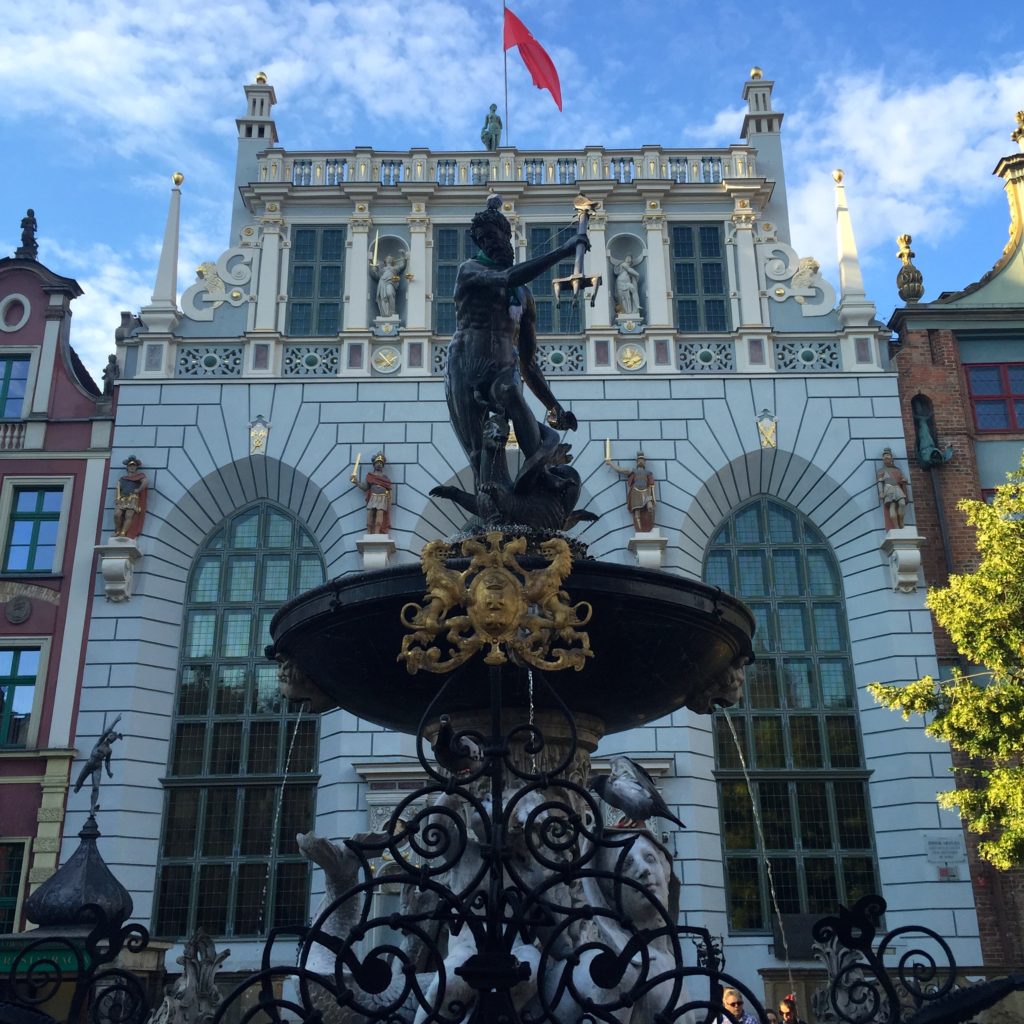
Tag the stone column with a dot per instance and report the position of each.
(357, 276)
(659, 313)
(268, 284)
(597, 263)
(416, 289)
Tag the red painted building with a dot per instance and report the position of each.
(960, 362)
(55, 426)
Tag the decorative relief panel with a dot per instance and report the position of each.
(209, 361)
(438, 358)
(806, 286)
(218, 283)
(807, 356)
(311, 360)
(706, 356)
(562, 358)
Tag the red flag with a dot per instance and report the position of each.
(535, 57)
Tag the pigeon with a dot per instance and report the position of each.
(457, 754)
(631, 789)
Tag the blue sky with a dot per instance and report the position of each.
(104, 100)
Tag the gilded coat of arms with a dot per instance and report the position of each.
(518, 614)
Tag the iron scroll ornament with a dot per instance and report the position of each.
(517, 904)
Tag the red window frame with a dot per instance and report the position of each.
(1006, 395)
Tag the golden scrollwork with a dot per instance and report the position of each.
(516, 613)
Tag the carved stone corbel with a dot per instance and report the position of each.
(117, 564)
(902, 549)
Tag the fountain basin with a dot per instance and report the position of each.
(660, 643)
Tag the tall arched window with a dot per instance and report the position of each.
(241, 779)
(797, 726)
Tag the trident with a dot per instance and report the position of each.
(584, 207)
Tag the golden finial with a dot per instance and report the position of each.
(261, 78)
(177, 177)
(837, 175)
(1018, 133)
(756, 74)
(909, 280)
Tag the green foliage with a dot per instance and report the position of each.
(982, 714)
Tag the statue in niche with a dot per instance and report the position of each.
(892, 491)
(490, 134)
(29, 247)
(111, 374)
(388, 276)
(98, 759)
(130, 500)
(492, 353)
(641, 497)
(627, 284)
(378, 490)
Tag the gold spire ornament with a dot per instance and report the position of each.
(514, 612)
(909, 280)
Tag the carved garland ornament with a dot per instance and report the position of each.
(514, 612)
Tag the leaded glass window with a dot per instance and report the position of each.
(796, 729)
(316, 280)
(243, 761)
(553, 317)
(452, 246)
(700, 282)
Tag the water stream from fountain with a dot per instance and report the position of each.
(760, 836)
(277, 817)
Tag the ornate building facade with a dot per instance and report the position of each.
(761, 397)
(960, 366)
(55, 431)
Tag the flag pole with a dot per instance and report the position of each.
(504, 52)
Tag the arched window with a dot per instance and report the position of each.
(241, 779)
(797, 726)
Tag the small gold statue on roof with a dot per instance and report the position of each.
(909, 280)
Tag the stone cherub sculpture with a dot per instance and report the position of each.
(98, 759)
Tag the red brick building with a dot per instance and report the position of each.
(960, 361)
(55, 426)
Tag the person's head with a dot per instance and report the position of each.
(491, 231)
(772, 1017)
(787, 1010)
(733, 1002)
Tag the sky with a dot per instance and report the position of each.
(104, 100)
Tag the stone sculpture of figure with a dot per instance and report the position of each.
(892, 491)
(627, 283)
(389, 278)
(29, 247)
(194, 997)
(640, 492)
(111, 373)
(490, 134)
(130, 500)
(97, 760)
(492, 353)
(378, 488)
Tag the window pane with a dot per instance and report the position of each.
(806, 741)
(793, 627)
(762, 687)
(199, 634)
(188, 748)
(859, 878)
(787, 885)
(330, 283)
(226, 749)
(206, 580)
(769, 749)
(241, 576)
(212, 898)
(311, 573)
(821, 575)
(682, 243)
(852, 815)
(275, 578)
(827, 628)
(291, 894)
(237, 629)
(799, 684)
(263, 747)
(815, 828)
(753, 580)
(844, 751)
(219, 823)
(279, 530)
(175, 890)
(231, 689)
(748, 526)
(776, 820)
(713, 278)
(743, 883)
(245, 530)
(786, 571)
(985, 380)
(764, 633)
(737, 817)
(714, 315)
(180, 822)
(303, 244)
(267, 692)
(686, 279)
(686, 315)
(301, 749)
(1015, 375)
(727, 756)
(296, 816)
(822, 891)
(194, 690)
(258, 820)
(781, 525)
(992, 415)
(719, 571)
(710, 241)
(836, 686)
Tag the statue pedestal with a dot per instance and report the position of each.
(629, 323)
(387, 326)
(376, 549)
(649, 548)
(902, 549)
(117, 563)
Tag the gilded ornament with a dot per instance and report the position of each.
(177, 178)
(909, 280)
(511, 611)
